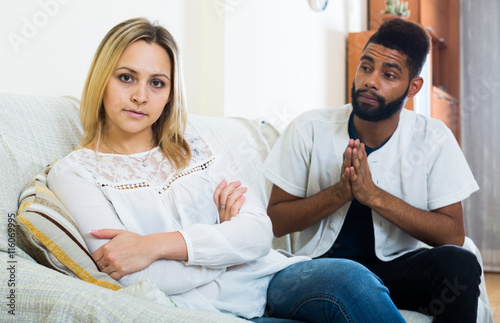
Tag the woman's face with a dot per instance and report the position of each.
(137, 91)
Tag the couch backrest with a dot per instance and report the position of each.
(249, 142)
(34, 130)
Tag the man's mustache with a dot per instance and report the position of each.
(379, 98)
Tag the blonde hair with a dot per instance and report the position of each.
(168, 130)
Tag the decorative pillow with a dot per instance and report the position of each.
(52, 237)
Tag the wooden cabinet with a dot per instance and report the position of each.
(441, 19)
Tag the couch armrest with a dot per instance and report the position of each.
(484, 314)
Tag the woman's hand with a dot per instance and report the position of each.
(229, 199)
(129, 252)
(126, 253)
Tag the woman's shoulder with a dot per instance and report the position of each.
(200, 148)
(78, 161)
(70, 165)
(71, 156)
(78, 156)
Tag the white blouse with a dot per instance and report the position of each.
(230, 264)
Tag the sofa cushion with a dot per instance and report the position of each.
(52, 237)
(43, 295)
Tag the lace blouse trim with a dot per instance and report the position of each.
(126, 186)
(170, 182)
(186, 172)
(144, 170)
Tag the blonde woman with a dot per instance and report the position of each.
(157, 203)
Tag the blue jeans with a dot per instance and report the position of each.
(329, 290)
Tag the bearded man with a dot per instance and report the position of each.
(370, 180)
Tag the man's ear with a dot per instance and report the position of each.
(415, 86)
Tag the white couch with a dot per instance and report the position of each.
(34, 130)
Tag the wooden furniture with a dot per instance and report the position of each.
(441, 19)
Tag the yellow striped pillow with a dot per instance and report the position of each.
(51, 235)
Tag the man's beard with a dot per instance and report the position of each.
(382, 112)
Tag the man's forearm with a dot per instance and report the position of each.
(437, 227)
(299, 213)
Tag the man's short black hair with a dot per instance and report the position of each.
(406, 37)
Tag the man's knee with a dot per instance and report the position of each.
(457, 272)
(456, 261)
(454, 280)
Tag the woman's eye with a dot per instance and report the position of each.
(157, 83)
(125, 78)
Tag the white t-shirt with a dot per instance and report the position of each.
(421, 164)
(230, 264)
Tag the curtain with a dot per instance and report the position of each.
(480, 116)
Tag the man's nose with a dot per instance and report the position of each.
(372, 81)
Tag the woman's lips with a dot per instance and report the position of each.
(135, 114)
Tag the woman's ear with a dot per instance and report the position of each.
(415, 86)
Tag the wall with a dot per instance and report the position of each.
(248, 58)
(282, 58)
(204, 56)
(48, 45)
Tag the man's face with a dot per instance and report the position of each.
(381, 83)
